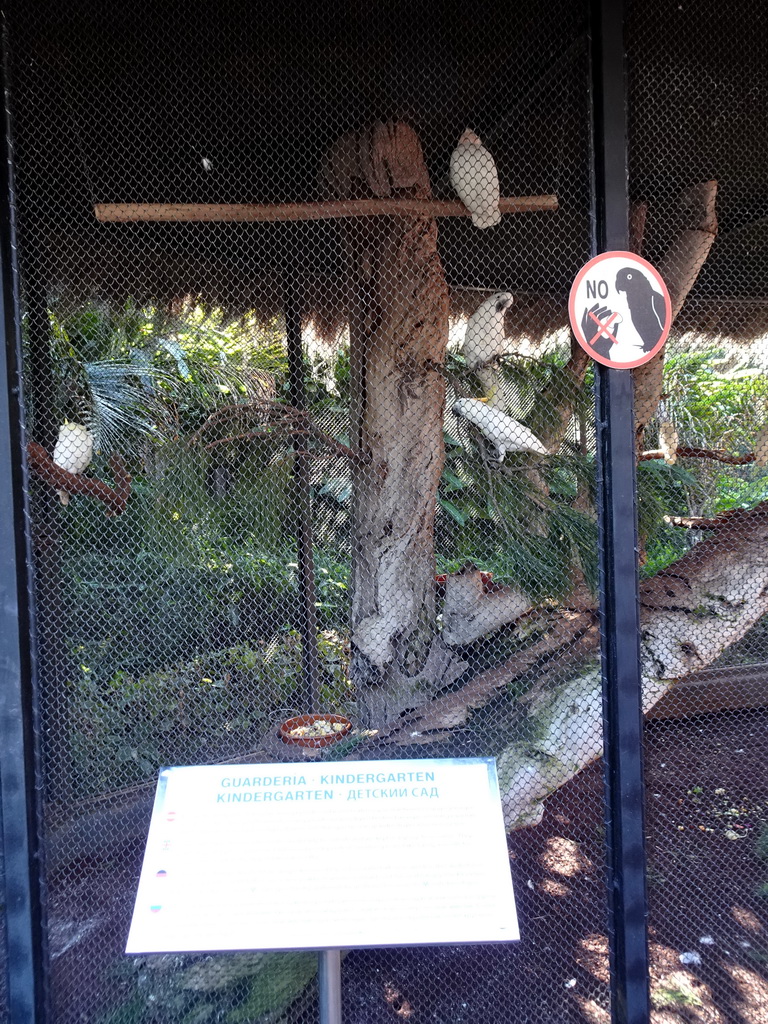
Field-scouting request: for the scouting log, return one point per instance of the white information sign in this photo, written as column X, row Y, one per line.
column 325, row 855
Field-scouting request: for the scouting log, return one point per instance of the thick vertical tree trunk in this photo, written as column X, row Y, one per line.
column 680, row 269
column 399, row 331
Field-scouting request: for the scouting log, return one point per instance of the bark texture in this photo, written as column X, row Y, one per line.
column 398, row 306
column 680, row 269
column 473, row 608
column 689, row 615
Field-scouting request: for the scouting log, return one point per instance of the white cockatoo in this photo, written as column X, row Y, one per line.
column 504, row 433
column 761, row 446
column 73, row 451
column 484, row 342
column 668, row 441
column 475, row 180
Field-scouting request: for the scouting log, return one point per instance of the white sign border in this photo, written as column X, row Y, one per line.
column 576, row 327
column 485, row 886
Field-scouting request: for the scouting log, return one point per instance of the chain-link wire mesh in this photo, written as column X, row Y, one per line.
column 315, row 461
column 698, row 161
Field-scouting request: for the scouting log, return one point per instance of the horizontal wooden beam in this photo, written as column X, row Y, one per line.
column 185, row 213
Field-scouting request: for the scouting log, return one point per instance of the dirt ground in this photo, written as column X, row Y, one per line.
column 707, row 785
column 707, row 806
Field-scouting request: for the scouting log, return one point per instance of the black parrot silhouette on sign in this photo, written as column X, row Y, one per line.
column 646, row 306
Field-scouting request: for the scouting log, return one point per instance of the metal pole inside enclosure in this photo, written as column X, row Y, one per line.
column 20, row 823
column 617, row 514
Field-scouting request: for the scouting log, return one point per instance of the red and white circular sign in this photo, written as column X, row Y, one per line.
column 620, row 310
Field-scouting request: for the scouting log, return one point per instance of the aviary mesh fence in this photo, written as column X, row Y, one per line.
column 344, row 463
column 698, row 161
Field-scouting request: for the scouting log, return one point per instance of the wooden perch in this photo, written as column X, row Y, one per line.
column 278, row 420
column 576, row 635
column 128, row 213
column 718, row 454
column 114, row 498
column 727, row 518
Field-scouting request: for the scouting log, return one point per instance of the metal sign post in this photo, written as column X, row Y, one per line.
column 329, row 985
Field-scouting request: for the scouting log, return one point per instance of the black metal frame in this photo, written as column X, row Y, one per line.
column 618, row 549
column 19, row 810
column 20, row 813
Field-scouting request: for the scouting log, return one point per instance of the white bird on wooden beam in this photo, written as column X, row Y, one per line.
column 504, row 433
column 475, row 180
column 73, row 451
column 485, row 341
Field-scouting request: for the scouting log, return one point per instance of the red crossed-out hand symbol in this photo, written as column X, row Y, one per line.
column 594, row 325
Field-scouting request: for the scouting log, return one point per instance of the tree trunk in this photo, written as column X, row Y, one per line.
column 680, row 270
column 690, row 614
column 399, row 332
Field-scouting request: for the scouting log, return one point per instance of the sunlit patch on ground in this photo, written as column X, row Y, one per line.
column 564, row 857
column 593, row 957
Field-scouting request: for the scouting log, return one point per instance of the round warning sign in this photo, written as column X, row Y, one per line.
column 620, row 310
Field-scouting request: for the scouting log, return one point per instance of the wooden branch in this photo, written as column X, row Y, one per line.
column 452, row 709
column 638, row 217
column 730, row 688
column 719, row 521
column 285, row 419
column 472, row 609
column 718, row 454
column 184, row 213
column 680, row 269
column 114, row 498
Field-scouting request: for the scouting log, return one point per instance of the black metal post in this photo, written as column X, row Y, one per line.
column 20, row 817
column 617, row 511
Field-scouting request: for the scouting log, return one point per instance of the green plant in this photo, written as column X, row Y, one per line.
column 666, row 997
column 215, row 705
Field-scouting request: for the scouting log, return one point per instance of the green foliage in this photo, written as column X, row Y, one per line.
column 715, row 404
column 137, row 375
column 236, row 988
column 517, row 520
column 193, row 712
column 746, row 490
column 663, row 490
column 182, row 613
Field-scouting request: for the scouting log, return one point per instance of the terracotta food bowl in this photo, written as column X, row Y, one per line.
column 314, row 730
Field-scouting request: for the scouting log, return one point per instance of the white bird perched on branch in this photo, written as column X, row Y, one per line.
column 669, row 441
column 73, row 451
column 484, row 342
column 504, row 433
column 475, row 180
